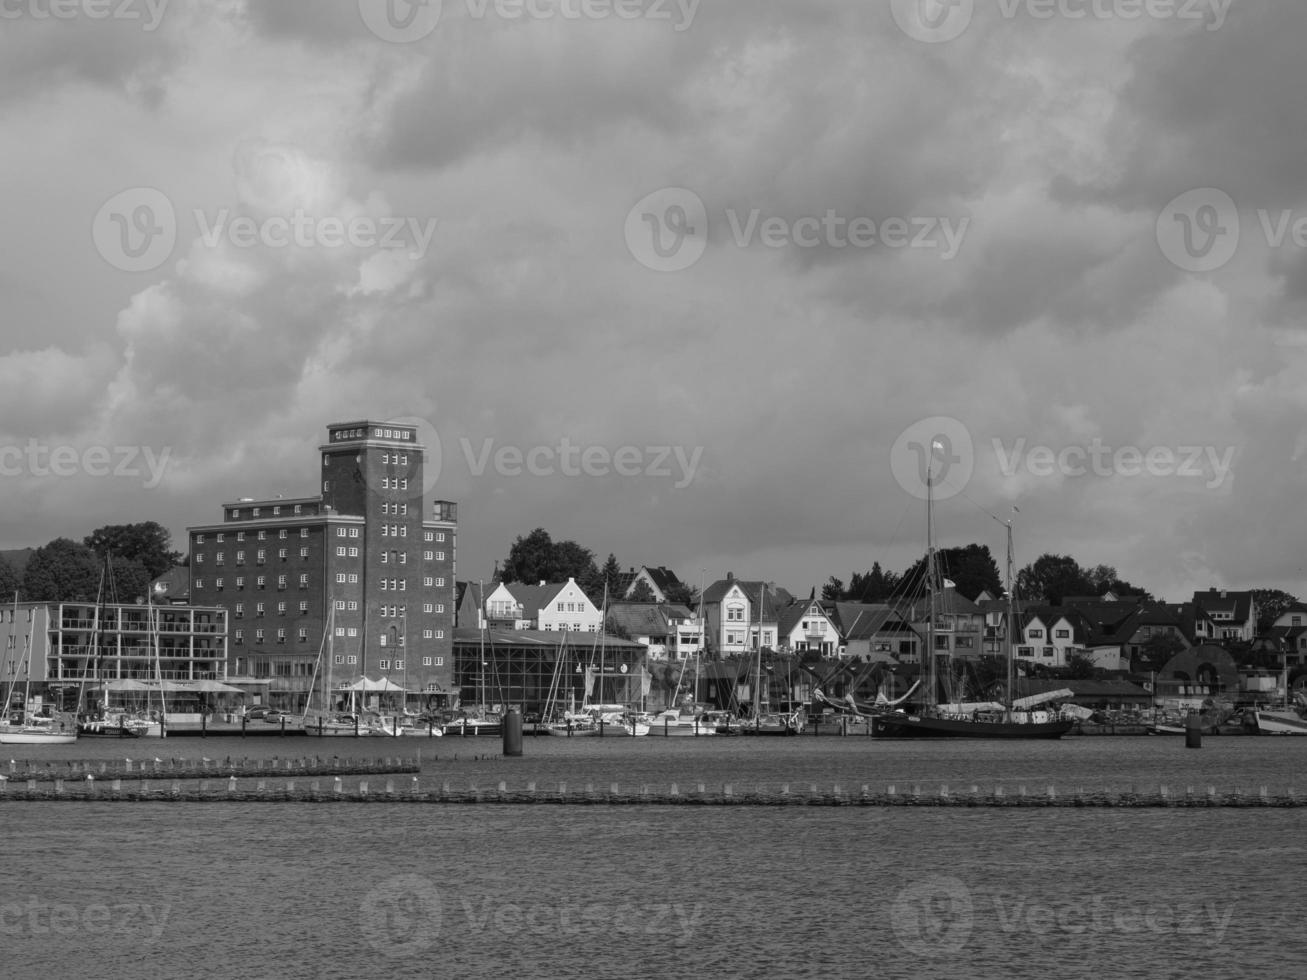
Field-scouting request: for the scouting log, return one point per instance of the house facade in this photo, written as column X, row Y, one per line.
column 805, row 627
column 740, row 616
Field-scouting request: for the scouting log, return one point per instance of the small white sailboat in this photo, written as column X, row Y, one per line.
column 33, row 729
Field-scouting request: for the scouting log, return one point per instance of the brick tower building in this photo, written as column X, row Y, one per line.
column 363, row 557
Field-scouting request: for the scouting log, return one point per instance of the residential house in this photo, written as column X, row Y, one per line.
column 805, row 626
column 740, row 615
column 670, row 631
column 1224, row 616
column 660, row 581
column 551, row 607
column 875, row 631
column 1289, row 634
column 959, row 623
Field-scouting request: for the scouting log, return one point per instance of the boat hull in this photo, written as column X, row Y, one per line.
column 919, row 726
column 38, row 738
column 1280, row 723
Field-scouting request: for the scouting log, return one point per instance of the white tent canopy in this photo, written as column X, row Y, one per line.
column 369, row 686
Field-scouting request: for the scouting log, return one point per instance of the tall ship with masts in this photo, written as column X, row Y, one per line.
column 933, row 719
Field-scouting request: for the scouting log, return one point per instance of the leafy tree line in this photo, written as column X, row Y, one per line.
column 115, row 563
column 972, row 568
column 537, row 557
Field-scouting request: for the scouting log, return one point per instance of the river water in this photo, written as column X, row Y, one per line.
column 244, row 890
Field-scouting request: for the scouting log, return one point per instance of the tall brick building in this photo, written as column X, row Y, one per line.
column 366, row 546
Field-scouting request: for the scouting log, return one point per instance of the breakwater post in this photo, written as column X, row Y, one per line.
column 1193, row 731
column 513, row 735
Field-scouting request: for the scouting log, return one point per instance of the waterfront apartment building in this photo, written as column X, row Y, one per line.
column 356, row 582
column 71, row 652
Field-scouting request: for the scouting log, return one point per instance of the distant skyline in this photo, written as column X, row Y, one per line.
column 700, row 284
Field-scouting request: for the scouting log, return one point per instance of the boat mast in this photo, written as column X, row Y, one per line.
column 757, row 687
column 930, row 586
column 1011, row 625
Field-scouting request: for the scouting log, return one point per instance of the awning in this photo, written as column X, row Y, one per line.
column 369, row 686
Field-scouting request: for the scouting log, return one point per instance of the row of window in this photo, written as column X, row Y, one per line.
column 302, row 635
column 235, row 513
column 341, row 532
column 260, row 582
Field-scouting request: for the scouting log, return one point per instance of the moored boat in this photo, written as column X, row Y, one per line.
column 681, row 723
column 38, row 731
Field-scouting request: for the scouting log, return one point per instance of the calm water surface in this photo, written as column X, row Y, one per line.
column 149, row 891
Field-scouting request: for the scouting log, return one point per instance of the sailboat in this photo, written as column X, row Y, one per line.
column 688, row 719
column 39, row 730
column 613, row 720
column 938, row 721
column 107, row 724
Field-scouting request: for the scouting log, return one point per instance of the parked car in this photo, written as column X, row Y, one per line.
column 257, row 714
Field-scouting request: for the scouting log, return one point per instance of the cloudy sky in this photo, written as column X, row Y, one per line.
column 699, row 284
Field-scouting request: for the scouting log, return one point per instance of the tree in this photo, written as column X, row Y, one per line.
column 610, row 575
column 1271, row 604
column 62, row 571
column 1158, row 651
column 8, row 580
column 833, row 590
column 1079, row 667
column 1052, row 577
column 148, row 543
column 873, row 586
column 682, row 595
column 972, row 569
column 642, row 592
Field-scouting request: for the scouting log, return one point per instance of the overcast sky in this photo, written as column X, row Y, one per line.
column 698, row 284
